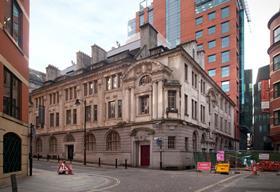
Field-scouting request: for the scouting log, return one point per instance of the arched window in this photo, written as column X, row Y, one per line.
column 39, row 145
column 145, row 80
column 195, row 141
column 53, row 145
column 90, row 142
column 113, row 141
column 11, row 153
column 69, row 138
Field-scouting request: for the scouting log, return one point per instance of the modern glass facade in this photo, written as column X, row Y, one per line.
column 173, row 19
column 131, row 27
column 203, row 5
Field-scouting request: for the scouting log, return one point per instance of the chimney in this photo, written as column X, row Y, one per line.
column 148, row 36
column 83, row 60
column 52, row 72
column 97, row 54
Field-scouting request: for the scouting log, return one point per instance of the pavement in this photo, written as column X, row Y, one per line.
column 110, row 179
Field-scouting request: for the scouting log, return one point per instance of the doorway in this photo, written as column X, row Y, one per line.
column 145, row 155
column 70, row 152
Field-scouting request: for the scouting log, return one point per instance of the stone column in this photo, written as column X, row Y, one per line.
column 126, row 106
column 155, row 101
column 132, row 105
column 160, row 99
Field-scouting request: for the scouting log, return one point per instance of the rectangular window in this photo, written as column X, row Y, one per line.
column 276, row 90
column 221, row 123
column 211, row 30
column 11, row 94
column 225, row 12
column 57, row 97
column 199, row 20
column 95, row 113
column 200, row 47
column 225, row 42
column 144, row 104
column 52, row 120
column 88, row 113
column 85, row 89
column 225, row 124
column 68, row 117
column 141, row 19
column 57, row 119
column 119, row 108
column 90, row 87
column 66, row 94
column 225, row 27
column 194, row 109
column 74, row 116
column 95, row 89
column 225, row 86
column 75, row 92
column 108, row 83
column 212, row 72
column 151, row 17
column 216, row 121
column 50, row 99
column 276, row 117
column 171, row 142
column 115, row 81
column 198, row 34
column 186, row 144
column 172, row 99
column 111, row 109
column 202, row 113
column 202, row 86
column 225, row 71
column 186, row 72
column 194, row 79
column 13, row 20
column 71, row 93
column 211, row 16
column 212, row 44
column 276, row 62
column 186, row 105
column 276, row 35
column 211, row 58
column 225, row 56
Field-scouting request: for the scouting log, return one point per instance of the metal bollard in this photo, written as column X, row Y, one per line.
column 38, row 157
column 14, row 183
column 125, row 163
column 116, row 163
column 99, row 162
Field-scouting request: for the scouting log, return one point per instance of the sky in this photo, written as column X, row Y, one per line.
column 60, row 28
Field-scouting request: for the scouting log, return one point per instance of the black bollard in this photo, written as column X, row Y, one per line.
column 99, row 162
column 38, row 157
column 58, row 158
column 116, row 163
column 48, row 157
column 125, row 163
column 14, row 183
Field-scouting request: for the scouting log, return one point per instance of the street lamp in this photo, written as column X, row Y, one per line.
column 77, row 103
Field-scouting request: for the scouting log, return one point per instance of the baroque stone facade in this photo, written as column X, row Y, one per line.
column 130, row 103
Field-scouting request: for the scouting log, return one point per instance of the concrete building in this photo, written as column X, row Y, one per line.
column 218, row 27
column 132, row 102
column 274, row 54
column 261, row 137
column 14, row 56
column 246, row 114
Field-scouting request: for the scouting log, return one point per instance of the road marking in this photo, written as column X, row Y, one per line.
column 214, row 184
column 117, row 182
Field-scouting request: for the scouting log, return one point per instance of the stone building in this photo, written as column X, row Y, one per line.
column 140, row 104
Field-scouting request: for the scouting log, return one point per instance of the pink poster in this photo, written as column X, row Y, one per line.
column 220, row 156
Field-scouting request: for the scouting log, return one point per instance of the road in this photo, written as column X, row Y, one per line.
column 110, row 179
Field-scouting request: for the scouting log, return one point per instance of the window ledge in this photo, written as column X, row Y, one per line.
column 171, row 110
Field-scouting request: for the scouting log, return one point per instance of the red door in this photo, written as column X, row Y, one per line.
column 145, row 155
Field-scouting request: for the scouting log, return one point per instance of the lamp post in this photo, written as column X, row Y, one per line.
column 78, row 102
column 30, row 149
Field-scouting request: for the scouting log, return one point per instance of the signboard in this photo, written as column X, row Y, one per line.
column 222, row 168
column 263, row 156
column 203, row 166
column 220, row 156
